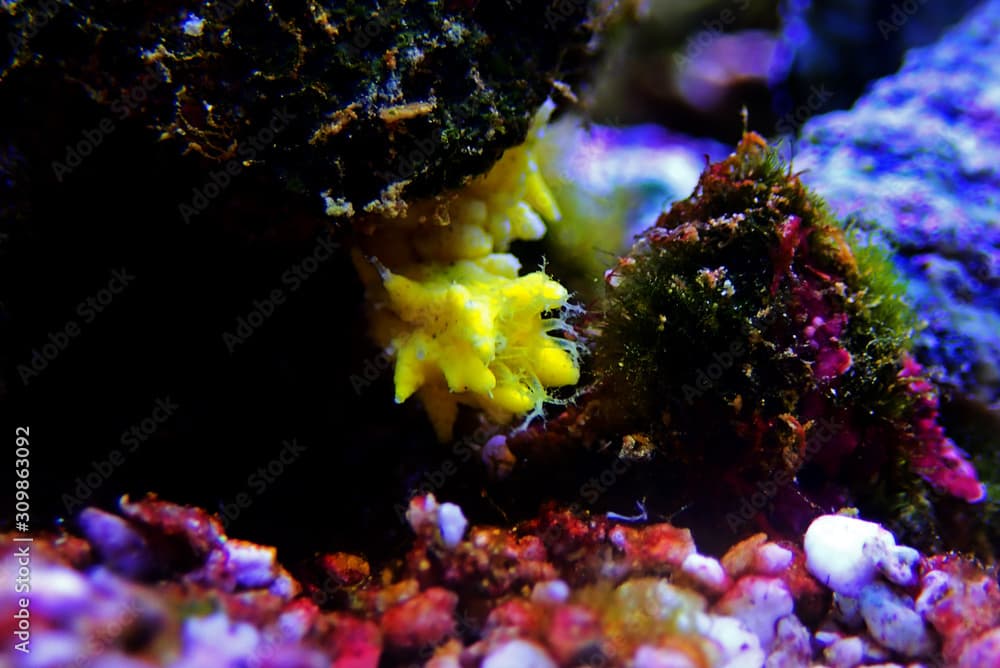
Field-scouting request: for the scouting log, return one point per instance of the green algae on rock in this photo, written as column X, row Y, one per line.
column 752, row 344
column 725, row 305
column 386, row 97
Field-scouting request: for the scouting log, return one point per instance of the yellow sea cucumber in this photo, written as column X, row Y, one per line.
column 449, row 305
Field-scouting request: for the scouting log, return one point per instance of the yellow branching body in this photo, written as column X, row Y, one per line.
column 446, row 300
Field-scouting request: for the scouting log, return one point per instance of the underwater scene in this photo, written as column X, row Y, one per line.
column 500, row 333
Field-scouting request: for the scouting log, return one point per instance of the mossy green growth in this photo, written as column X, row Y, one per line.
column 717, row 305
column 751, row 336
column 882, row 323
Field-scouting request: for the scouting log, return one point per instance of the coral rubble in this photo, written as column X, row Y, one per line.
column 557, row 590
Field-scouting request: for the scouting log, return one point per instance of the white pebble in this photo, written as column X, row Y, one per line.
column 617, row 537
column 740, row 647
column 253, row 565
column 452, row 523
column 706, row 571
column 60, row 648
column 845, row 653
column 519, row 654
column 791, row 645
column 284, row 585
column 893, row 622
column 59, row 591
column 896, row 563
column 840, row 550
column 826, row 638
column 552, row 591
column 759, row 602
column 216, row 633
column 771, row 559
column 661, row 657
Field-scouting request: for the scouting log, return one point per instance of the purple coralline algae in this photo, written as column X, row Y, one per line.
column 914, row 160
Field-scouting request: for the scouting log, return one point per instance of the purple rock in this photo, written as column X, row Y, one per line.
column 915, row 160
column 122, row 548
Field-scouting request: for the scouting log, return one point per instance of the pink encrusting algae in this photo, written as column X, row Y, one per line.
column 933, row 455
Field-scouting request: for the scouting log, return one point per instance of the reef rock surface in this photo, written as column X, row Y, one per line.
column 357, row 100
column 916, row 159
column 163, row 585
